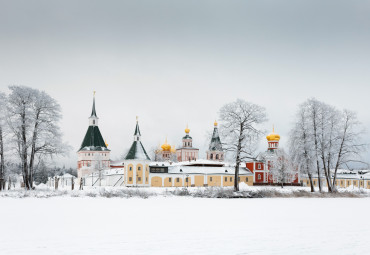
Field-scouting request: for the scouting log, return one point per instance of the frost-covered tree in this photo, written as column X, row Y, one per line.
column 33, row 117
column 325, row 138
column 2, row 137
column 240, row 131
column 282, row 169
column 301, row 146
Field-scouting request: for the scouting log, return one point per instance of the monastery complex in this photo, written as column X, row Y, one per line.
column 182, row 166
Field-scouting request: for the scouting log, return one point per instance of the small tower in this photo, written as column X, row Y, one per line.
column 187, row 152
column 137, row 162
column 215, row 151
column 273, row 141
column 93, row 154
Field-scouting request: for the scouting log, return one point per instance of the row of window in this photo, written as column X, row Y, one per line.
column 92, row 154
column 138, row 179
column 218, row 156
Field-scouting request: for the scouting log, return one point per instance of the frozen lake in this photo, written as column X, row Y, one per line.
column 184, row 225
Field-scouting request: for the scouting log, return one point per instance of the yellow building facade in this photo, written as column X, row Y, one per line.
column 196, row 174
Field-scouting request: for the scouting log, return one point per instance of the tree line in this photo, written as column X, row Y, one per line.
column 322, row 140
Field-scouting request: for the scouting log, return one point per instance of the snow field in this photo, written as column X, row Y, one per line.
column 184, row 225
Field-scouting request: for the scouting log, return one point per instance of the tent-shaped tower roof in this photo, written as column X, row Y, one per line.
column 137, row 150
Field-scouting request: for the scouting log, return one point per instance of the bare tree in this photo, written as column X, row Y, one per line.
column 281, row 167
column 349, row 144
column 2, row 131
column 240, row 129
column 301, row 146
column 327, row 137
column 33, row 117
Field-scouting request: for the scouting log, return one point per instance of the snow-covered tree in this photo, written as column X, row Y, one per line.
column 2, row 137
column 325, row 138
column 33, row 117
column 240, row 131
column 282, row 169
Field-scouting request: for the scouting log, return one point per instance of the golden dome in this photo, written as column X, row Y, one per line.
column 166, row 146
column 273, row 136
column 187, row 130
column 216, row 124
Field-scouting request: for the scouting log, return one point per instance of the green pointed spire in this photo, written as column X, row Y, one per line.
column 93, row 112
column 137, row 129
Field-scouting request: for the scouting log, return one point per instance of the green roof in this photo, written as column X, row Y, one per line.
column 215, row 144
column 93, row 140
column 137, row 130
column 137, row 151
column 93, row 112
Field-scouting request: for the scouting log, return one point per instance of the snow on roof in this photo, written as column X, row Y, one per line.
column 117, row 163
column 207, row 170
column 199, row 162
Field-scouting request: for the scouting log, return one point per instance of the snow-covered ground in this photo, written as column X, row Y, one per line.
column 184, row 225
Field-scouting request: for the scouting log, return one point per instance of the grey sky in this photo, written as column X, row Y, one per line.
column 177, row 62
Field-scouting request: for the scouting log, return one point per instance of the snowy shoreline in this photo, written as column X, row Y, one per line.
column 209, row 192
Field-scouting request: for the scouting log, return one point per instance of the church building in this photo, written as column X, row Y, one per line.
column 93, row 154
column 136, row 163
column 187, row 152
column 165, row 152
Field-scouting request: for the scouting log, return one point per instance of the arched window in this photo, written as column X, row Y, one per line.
column 211, row 156
column 216, row 156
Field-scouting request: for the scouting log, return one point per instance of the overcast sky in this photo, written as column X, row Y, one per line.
column 177, row 62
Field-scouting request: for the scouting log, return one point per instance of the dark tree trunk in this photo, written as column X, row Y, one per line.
column 238, row 160
column 311, row 184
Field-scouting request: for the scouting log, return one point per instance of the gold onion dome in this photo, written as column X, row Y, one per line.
column 187, row 130
column 216, row 124
column 166, row 146
column 273, row 136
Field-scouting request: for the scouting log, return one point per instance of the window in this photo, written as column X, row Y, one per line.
column 216, row 156
column 177, row 179
column 246, row 179
column 348, row 183
column 341, row 182
column 231, row 179
column 170, row 179
column 139, row 168
column 225, row 179
column 210, row 178
column 259, row 177
column 259, row 166
column 146, row 179
column 139, row 179
column 211, row 156
column 186, row 179
column 94, row 122
column 130, row 179
column 130, row 168
column 238, row 179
